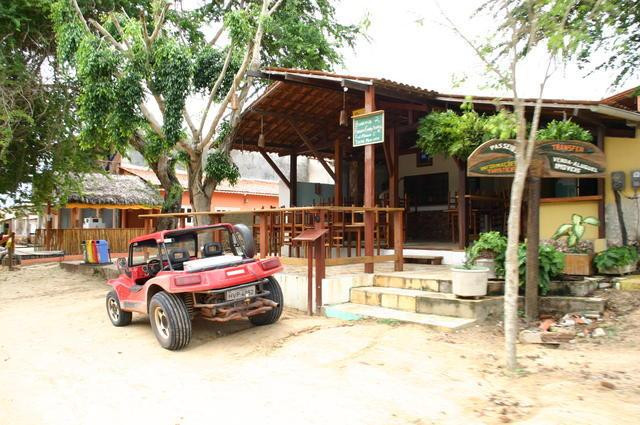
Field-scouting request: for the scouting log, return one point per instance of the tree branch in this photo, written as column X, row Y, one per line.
column 158, row 23
column 80, row 16
column 216, row 86
column 107, row 35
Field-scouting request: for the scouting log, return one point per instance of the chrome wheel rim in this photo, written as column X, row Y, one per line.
column 114, row 309
column 162, row 322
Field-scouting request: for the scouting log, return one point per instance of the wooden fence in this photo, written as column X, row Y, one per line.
column 70, row 240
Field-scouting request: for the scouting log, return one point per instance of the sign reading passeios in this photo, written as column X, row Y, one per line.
column 556, row 158
column 368, row 129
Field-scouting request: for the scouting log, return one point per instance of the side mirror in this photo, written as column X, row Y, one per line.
column 123, row 266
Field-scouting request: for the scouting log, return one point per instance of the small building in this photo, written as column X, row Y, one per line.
column 245, row 194
column 105, row 206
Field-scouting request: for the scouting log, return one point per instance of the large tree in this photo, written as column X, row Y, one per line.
column 172, row 83
column 38, row 144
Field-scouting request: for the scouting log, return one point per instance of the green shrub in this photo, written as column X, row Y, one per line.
column 489, row 245
column 617, row 256
column 551, row 264
column 574, row 231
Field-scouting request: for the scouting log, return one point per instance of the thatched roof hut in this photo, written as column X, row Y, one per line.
column 114, row 191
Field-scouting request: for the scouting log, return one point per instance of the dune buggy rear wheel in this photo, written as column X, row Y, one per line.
column 115, row 313
column 170, row 320
column 275, row 295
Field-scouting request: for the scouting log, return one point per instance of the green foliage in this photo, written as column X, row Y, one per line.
column 618, row 256
column 574, row 231
column 457, row 135
column 598, row 34
column 220, row 167
column 208, row 65
column 172, row 70
column 564, row 130
column 551, row 265
column 489, row 245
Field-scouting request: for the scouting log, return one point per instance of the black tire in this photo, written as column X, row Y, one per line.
column 275, row 295
column 170, row 321
column 115, row 313
column 245, row 239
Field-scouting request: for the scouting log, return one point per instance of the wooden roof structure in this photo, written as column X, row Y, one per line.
column 299, row 111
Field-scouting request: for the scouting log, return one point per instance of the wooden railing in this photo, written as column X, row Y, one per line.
column 70, row 240
column 348, row 227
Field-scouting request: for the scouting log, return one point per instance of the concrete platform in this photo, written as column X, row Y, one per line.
column 435, row 279
column 350, row 311
column 107, row 271
column 427, row 302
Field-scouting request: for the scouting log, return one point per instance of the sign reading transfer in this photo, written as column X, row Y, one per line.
column 557, row 158
column 368, row 129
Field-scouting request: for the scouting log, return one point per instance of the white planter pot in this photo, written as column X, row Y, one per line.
column 487, row 263
column 469, row 282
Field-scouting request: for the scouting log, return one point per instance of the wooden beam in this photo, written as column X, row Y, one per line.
column 274, row 167
column 337, row 164
column 462, row 203
column 393, row 175
column 369, row 185
column 402, row 106
column 313, row 149
column 293, row 180
column 602, row 229
column 533, row 243
column 387, row 156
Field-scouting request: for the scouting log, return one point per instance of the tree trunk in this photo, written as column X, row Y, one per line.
column 200, row 188
column 512, row 278
column 164, row 169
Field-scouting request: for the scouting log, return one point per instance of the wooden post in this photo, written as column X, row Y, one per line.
column 264, row 244
column 75, row 218
column 123, row 221
column 398, row 240
column 369, row 186
column 310, row 278
column 293, row 180
column 320, row 271
column 393, row 176
column 48, row 228
column 462, row 203
column 600, row 188
column 533, row 243
column 337, row 165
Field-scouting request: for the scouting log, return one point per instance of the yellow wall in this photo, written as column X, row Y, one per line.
column 553, row 214
column 623, row 154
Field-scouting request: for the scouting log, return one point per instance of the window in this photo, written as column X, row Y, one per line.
column 141, row 252
column 567, row 188
column 427, row 189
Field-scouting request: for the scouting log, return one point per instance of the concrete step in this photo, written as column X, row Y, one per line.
column 427, row 302
column 438, row 280
column 350, row 311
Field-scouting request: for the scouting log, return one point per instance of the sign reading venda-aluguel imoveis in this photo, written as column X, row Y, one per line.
column 554, row 158
column 368, row 129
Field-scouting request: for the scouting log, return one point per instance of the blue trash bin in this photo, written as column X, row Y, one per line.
column 102, row 249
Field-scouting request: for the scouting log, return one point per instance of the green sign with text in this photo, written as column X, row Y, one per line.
column 368, row 129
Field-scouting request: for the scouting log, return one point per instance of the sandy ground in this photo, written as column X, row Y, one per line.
column 62, row 362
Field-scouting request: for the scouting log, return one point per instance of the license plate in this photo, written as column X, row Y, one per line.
column 240, row 293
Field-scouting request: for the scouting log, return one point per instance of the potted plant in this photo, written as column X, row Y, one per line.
column 487, row 250
column 617, row 260
column 469, row 280
column 578, row 260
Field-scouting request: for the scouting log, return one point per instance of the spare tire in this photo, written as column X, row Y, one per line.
column 244, row 237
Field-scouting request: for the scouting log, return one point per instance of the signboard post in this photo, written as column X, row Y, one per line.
column 368, row 129
column 551, row 158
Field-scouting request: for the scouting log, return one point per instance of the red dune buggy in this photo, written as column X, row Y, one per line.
column 208, row 272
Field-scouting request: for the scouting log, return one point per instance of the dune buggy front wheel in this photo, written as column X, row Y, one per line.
column 170, row 320
column 116, row 315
